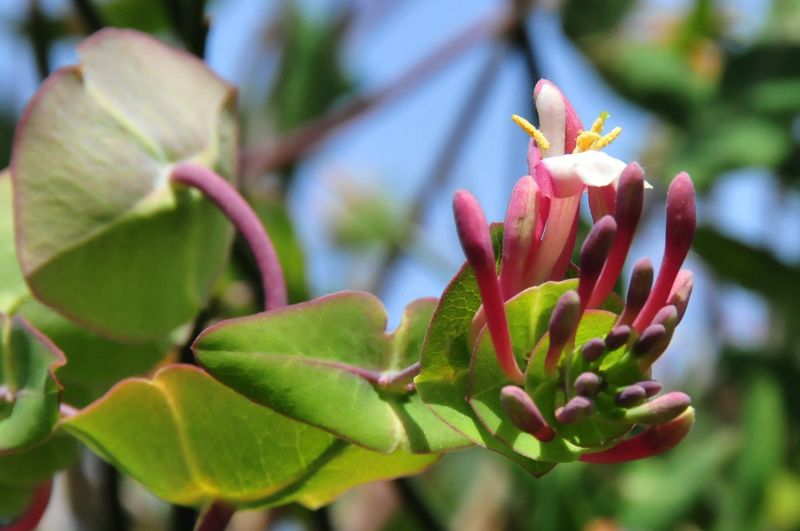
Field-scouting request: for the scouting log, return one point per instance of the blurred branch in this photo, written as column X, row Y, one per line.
column 89, row 15
column 273, row 154
column 189, row 23
column 40, row 41
column 455, row 141
column 520, row 38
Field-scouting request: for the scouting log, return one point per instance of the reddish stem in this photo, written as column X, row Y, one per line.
column 239, row 212
column 33, row 514
column 216, row 517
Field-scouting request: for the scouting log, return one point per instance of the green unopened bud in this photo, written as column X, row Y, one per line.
column 659, row 410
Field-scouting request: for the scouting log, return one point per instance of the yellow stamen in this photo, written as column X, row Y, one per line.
column 600, row 123
column 585, row 141
column 529, row 128
column 607, row 139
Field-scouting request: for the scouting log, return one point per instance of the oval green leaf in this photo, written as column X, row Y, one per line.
column 101, row 235
column 191, row 441
column 307, row 361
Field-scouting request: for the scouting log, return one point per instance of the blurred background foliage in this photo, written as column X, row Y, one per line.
column 355, row 137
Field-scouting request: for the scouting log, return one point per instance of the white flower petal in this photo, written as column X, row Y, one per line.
column 552, row 113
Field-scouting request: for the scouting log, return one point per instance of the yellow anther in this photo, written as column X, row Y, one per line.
column 600, row 123
column 607, row 139
column 585, row 141
column 529, row 128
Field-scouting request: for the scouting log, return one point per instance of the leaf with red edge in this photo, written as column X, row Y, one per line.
column 320, row 362
column 29, row 391
column 193, row 441
column 101, row 235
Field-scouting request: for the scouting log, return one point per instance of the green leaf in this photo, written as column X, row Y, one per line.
column 352, row 466
column 12, row 285
column 29, row 392
column 95, row 363
column 443, row 383
column 22, row 472
column 91, row 165
column 528, row 318
column 305, row 361
column 191, row 440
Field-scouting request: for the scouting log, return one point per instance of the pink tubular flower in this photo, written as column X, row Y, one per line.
column 539, row 238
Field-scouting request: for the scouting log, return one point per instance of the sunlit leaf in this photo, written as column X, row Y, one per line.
column 304, row 361
column 101, row 235
column 191, row 441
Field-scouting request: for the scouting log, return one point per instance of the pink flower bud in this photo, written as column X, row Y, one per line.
column 593, row 349
column 563, row 322
column 681, row 223
column 630, row 396
column 476, row 241
column 650, row 339
column 638, row 290
column 594, row 252
column 524, row 414
column 681, row 291
column 651, row 387
column 587, row 384
column 653, row 441
column 617, row 337
column 628, row 210
column 518, row 234
column 577, row 409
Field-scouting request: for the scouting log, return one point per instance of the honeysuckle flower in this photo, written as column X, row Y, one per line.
column 540, row 232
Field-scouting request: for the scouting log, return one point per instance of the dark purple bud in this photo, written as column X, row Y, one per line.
column 638, row 290
column 617, row 337
column 587, row 384
column 659, row 410
column 563, row 322
column 524, row 414
column 593, row 255
column 577, row 409
column 593, row 349
column 681, row 291
column 650, row 339
column 630, row 396
column 651, row 387
column 681, row 223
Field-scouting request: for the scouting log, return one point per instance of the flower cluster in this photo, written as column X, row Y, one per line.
column 607, row 378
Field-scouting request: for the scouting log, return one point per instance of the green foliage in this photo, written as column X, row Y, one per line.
column 310, row 76
column 22, row 472
column 193, row 441
column 12, row 285
column 29, row 401
column 306, row 361
column 105, row 135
